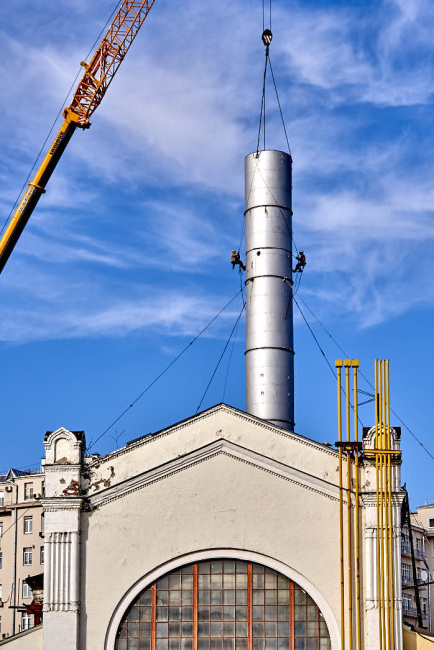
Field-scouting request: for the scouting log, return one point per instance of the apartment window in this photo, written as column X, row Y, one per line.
column 28, row 525
column 406, row 573
column 431, row 523
column 1, row 560
column 2, row 498
column 1, row 529
column 27, row 555
column 27, row 592
column 42, row 555
column 406, row 603
column 1, row 591
column 26, row 621
column 28, row 491
column 42, row 523
column 424, row 603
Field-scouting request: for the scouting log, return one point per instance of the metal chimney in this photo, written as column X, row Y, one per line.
column 269, row 325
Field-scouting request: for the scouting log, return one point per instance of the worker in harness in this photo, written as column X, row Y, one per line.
column 236, row 261
column 301, row 263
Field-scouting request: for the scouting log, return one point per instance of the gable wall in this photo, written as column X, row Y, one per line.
column 261, row 437
column 219, row 503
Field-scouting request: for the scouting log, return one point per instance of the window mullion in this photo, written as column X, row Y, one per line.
column 291, row 616
column 195, row 600
column 249, row 606
column 154, row 616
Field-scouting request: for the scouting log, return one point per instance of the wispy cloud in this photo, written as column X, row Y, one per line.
column 156, row 185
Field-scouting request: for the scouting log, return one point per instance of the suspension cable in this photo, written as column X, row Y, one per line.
column 163, row 372
column 420, row 443
column 324, row 355
column 280, row 107
column 221, row 356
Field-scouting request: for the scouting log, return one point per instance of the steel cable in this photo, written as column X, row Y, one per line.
column 367, row 381
column 149, row 386
column 221, row 357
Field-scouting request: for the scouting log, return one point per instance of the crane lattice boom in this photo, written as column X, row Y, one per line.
column 90, row 91
column 108, row 57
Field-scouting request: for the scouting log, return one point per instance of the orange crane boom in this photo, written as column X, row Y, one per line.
column 87, row 97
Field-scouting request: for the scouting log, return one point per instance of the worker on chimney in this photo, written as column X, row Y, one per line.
column 301, row 263
column 235, row 260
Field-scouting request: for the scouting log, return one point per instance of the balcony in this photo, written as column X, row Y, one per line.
column 407, row 580
column 406, row 550
column 408, row 610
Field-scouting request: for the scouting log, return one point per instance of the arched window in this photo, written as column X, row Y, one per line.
column 223, row 605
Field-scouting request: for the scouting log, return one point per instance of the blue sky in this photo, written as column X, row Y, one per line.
column 127, row 256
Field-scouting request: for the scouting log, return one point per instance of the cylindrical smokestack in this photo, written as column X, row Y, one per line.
column 269, row 326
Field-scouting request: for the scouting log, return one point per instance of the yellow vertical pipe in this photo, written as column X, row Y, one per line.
column 377, row 475
column 382, row 507
column 341, row 505
column 357, row 510
column 391, row 541
column 381, row 462
column 347, row 364
column 386, row 510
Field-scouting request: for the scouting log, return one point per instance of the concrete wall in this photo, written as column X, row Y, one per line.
column 258, row 497
column 414, row 641
column 30, row 640
column 222, row 484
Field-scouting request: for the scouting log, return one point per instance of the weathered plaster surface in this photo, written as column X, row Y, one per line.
column 221, row 503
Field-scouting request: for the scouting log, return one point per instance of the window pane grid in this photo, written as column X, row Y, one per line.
column 223, row 605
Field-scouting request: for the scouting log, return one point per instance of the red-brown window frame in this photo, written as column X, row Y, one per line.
column 249, row 610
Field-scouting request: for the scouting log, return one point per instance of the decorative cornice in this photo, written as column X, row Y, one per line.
column 369, row 499
column 53, row 504
column 241, row 415
column 219, row 447
column 63, row 467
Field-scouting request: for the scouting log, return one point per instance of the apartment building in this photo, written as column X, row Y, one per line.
column 422, row 526
column 21, row 548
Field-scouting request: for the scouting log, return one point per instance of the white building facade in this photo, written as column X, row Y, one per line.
column 218, row 533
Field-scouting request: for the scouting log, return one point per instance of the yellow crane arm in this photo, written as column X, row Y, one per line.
column 87, row 97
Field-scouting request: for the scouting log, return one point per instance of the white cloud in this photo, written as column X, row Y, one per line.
column 170, row 138
column 61, row 307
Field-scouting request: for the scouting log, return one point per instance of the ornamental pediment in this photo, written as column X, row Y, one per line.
column 221, row 447
column 144, row 455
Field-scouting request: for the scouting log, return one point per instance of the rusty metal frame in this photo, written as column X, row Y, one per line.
column 291, row 615
column 249, row 606
column 291, row 607
column 195, row 604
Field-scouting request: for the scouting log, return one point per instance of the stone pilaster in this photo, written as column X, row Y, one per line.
column 62, row 509
column 369, row 498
